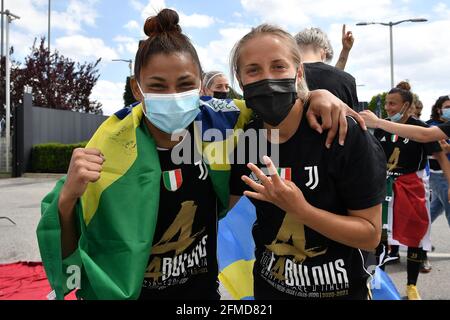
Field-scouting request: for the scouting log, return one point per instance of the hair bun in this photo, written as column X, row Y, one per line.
column 165, row 21
column 404, row 85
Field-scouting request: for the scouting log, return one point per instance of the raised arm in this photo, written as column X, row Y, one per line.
column 347, row 44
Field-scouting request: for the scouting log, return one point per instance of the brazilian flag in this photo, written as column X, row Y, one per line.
column 117, row 215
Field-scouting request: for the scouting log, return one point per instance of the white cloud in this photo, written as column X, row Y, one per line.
column 132, row 25
column 34, row 16
column 196, row 20
column 442, row 10
column 152, row 8
column 77, row 14
column 136, row 5
column 21, row 43
column 81, row 48
column 301, row 13
column 186, row 21
column 110, row 94
column 215, row 56
column 127, row 45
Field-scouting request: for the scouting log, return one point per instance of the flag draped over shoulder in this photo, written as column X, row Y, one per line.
column 117, row 215
column 236, row 250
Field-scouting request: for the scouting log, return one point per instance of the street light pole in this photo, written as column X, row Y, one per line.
column 3, row 24
column 130, row 64
column 392, row 53
column 49, row 21
column 391, row 38
column 9, row 18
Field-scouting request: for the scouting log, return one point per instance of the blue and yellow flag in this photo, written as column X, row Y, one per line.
column 236, row 250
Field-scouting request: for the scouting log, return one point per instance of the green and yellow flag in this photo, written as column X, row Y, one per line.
column 117, row 215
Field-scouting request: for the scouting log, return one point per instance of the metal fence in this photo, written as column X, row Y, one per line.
column 3, row 155
column 35, row 125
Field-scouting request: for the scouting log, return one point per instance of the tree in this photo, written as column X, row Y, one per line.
column 128, row 96
column 376, row 105
column 57, row 82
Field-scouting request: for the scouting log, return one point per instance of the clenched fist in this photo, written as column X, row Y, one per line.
column 85, row 167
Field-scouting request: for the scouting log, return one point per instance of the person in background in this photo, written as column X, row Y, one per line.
column 215, row 84
column 417, row 110
column 440, row 113
column 316, row 50
column 406, row 210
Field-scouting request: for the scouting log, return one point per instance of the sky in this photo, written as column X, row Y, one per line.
column 86, row 30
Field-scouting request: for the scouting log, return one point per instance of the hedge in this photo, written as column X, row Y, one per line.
column 53, row 157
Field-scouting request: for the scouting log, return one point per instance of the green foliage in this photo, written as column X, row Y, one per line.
column 376, row 105
column 128, row 96
column 53, row 157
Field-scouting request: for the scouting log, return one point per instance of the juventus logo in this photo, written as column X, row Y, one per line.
column 203, row 170
column 313, row 177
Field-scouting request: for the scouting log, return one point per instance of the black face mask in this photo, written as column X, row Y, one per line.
column 271, row 99
column 220, row 95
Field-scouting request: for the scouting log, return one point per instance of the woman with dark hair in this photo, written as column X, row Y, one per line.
column 440, row 114
column 406, row 210
column 131, row 220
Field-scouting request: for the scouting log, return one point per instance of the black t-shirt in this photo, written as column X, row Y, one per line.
column 292, row 260
column 183, row 263
column 320, row 75
column 445, row 127
column 434, row 164
column 405, row 156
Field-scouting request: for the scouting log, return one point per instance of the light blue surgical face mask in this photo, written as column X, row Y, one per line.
column 171, row 112
column 446, row 114
column 398, row 116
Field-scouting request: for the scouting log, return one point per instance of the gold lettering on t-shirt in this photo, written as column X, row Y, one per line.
column 291, row 241
column 393, row 160
column 181, row 227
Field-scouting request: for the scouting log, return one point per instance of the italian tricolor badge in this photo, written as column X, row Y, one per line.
column 285, row 173
column 173, row 179
column 394, row 138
